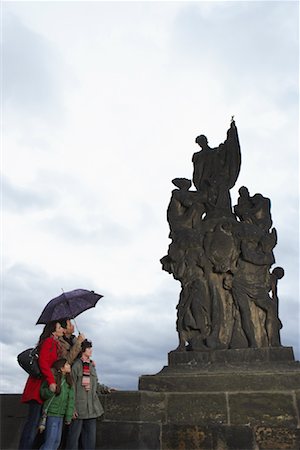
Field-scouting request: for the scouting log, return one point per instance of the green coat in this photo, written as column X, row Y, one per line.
column 61, row 405
column 87, row 403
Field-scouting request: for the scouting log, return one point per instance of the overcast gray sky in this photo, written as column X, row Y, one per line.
column 102, row 102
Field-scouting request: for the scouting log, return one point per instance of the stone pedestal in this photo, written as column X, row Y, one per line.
column 226, row 399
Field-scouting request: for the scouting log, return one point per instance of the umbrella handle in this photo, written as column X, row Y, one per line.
column 72, row 317
column 76, row 326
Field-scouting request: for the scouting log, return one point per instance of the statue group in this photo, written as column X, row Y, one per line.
column 222, row 256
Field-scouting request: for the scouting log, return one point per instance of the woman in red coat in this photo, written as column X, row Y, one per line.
column 49, row 351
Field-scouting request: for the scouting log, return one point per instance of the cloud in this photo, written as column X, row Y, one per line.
column 251, row 38
column 30, row 68
column 22, row 198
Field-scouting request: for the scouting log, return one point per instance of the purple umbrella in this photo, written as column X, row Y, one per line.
column 68, row 305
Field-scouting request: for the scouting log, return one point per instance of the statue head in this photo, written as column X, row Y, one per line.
column 243, row 191
column 278, row 272
column 201, row 140
column 182, row 183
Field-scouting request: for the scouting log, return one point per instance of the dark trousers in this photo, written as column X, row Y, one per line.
column 86, row 430
column 30, row 427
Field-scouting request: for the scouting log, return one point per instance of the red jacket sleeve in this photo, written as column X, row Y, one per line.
column 47, row 356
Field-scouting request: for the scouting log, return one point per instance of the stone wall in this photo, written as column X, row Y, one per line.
column 229, row 399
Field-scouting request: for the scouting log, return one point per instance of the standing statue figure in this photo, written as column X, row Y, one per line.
column 251, row 284
column 184, row 261
column 216, row 171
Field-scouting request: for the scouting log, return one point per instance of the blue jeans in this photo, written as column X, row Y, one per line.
column 84, row 428
column 52, row 433
column 30, row 426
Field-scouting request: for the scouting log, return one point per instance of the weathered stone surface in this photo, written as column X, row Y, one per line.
column 271, row 438
column 197, row 437
column 249, row 355
column 296, row 395
column 233, row 438
column 186, row 437
column 220, row 382
column 12, row 415
column 11, row 405
column 135, row 406
column 128, row 436
column 196, row 408
column 263, row 408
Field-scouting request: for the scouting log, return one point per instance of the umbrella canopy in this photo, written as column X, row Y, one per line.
column 68, row 305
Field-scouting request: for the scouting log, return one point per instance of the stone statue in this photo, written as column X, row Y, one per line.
column 216, row 171
column 221, row 256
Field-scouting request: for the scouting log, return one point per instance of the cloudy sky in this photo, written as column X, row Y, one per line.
column 101, row 105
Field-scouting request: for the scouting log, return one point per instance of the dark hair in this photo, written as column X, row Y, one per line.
column 63, row 322
column 86, row 344
column 49, row 328
column 57, row 366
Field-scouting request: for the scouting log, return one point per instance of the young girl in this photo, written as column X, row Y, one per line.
column 87, row 403
column 59, row 405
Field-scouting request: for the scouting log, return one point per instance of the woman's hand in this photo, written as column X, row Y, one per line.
column 52, row 387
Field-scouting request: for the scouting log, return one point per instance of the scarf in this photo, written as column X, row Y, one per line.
column 86, row 381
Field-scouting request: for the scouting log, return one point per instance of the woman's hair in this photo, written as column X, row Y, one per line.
column 49, row 328
column 56, row 367
column 86, row 344
column 63, row 322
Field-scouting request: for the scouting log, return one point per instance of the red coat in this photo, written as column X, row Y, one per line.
column 48, row 354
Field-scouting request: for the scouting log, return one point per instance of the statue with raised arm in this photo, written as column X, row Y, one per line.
column 216, row 171
column 222, row 256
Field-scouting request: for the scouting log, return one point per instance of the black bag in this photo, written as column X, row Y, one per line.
column 28, row 360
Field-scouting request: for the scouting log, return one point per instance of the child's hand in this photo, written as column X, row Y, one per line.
column 68, row 423
column 75, row 415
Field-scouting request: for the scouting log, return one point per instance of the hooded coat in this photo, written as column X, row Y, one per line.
column 87, row 403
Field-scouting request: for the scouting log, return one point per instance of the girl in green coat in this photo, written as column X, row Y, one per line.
column 59, row 405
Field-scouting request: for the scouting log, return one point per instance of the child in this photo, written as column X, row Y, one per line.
column 59, row 405
column 87, row 403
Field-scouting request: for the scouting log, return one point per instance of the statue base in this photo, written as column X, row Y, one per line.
column 223, row 399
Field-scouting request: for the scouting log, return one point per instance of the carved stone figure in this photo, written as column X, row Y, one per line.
column 251, row 285
column 222, row 257
column 193, row 310
column 216, row 171
column 255, row 210
column 185, row 208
